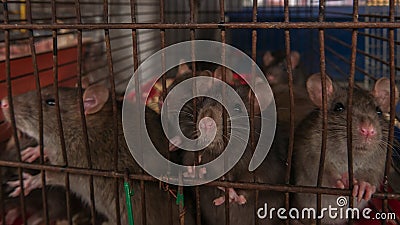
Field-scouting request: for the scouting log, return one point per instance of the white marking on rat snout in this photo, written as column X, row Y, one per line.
column 208, row 129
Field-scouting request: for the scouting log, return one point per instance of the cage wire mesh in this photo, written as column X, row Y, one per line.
column 253, row 27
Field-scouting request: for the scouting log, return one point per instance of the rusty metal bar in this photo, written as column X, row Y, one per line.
column 321, row 18
column 392, row 104
column 342, row 58
column 349, row 124
column 12, row 113
column 377, row 37
column 376, row 58
column 252, row 99
column 40, row 111
column 82, row 110
column 240, row 185
column 114, row 109
column 291, row 108
column 59, row 120
column 241, row 25
column 164, row 92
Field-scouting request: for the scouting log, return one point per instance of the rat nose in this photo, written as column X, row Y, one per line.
column 4, row 103
column 367, row 130
column 207, row 124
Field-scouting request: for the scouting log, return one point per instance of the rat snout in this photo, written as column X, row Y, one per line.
column 207, row 125
column 367, row 130
column 4, row 103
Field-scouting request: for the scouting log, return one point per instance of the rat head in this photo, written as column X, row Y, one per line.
column 369, row 127
column 26, row 109
column 209, row 123
column 275, row 66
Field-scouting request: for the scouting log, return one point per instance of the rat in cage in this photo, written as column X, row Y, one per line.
column 241, row 202
column 370, row 132
column 99, row 114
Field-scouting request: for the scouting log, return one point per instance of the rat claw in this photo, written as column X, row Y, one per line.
column 340, row 184
column 366, row 191
column 190, row 172
column 30, row 154
column 241, row 200
column 369, row 191
column 355, row 190
column 363, row 190
column 219, row 201
column 30, row 182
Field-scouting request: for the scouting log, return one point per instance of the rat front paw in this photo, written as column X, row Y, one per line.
column 363, row 190
column 191, row 172
column 30, row 183
column 233, row 197
column 30, row 154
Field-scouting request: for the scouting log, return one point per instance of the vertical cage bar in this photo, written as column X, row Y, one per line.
column 12, row 114
column 392, row 67
column 349, row 124
column 59, row 121
column 224, row 115
column 39, row 95
column 114, row 109
column 321, row 18
column 291, row 108
column 252, row 98
column 82, row 110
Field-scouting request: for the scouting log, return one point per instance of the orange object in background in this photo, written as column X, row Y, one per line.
column 21, row 71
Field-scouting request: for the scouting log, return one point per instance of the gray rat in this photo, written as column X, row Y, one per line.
column 275, row 68
column 56, row 196
column 99, row 117
column 242, row 202
column 370, row 132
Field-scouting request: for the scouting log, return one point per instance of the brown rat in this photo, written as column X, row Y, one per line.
column 242, row 206
column 99, row 117
column 370, row 131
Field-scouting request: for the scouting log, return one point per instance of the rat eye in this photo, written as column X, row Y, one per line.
column 51, row 101
column 339, row 107
column 237, row 108
column 378, row 111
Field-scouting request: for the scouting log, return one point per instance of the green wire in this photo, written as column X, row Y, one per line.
column 180, row 199
column 128, row 194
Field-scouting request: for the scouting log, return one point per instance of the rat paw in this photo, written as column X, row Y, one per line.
column 30, row 154
column 191, row 172
column 363, row 190
column 219, row 201
column 233, row 197
column 343, row 182
column 30, row 183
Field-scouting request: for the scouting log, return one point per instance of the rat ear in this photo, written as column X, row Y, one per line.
column 94, row 98
column 263, row 98
column 85, row 82
column 314, row 88
column 228, row 74
column 381, row 92
column 268, row 59
column 295, row 59
column 183, row 68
